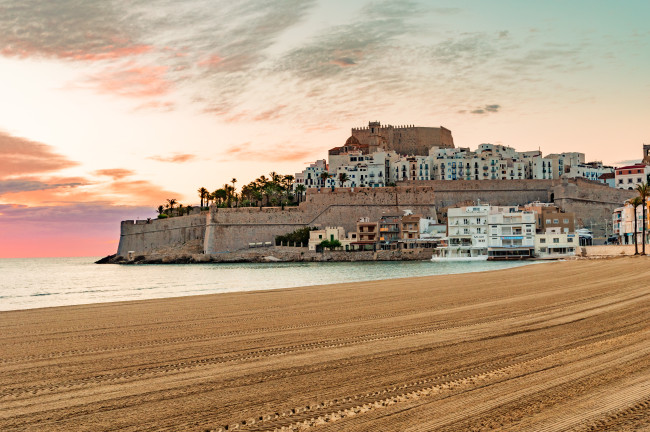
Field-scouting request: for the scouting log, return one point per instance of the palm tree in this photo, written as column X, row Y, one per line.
column 644, row 191
column 233, row 181
column 161, row 209
column 300, row 189
column 287, row 181
column 343, row 177
column 635, row 202
column 203, row 193
column 324, row 176
column 220, row 195
column 276, row 178
column 171, row 202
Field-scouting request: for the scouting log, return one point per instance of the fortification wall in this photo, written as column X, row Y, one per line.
column 226, row 230
column 144, row 237
column 592, row 204
column 234, row 229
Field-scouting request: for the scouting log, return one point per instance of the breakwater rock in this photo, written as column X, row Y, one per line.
column 279, row 254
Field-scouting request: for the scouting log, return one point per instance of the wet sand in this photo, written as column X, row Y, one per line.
column 550, row 347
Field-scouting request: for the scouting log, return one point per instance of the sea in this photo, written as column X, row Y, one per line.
column 27, row 283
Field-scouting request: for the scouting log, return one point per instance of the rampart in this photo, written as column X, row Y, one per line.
column 226, row 230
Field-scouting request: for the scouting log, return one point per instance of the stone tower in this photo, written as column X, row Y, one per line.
column 375, row 140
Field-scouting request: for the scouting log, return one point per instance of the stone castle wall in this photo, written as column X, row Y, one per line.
column 408, row 140
column 593, row 206
column 144, row 237
column 227, row 230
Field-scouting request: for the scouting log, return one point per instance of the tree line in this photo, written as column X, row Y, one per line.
column 274, row 190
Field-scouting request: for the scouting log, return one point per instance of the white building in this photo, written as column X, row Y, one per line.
column 623, row 223
column 629, row 177
column 466, row 232
column 542, row 168
column 511, row 233
column 555, row 243
column 316, row 237
column 591, row 171
column 310, row 177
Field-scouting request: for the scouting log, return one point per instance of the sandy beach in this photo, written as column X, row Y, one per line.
column 553, row 347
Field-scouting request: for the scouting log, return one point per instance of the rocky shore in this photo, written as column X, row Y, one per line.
column 272, row 255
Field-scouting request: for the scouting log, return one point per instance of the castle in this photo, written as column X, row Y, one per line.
column 404, row 140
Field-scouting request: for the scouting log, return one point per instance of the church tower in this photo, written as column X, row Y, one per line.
column 376, row 142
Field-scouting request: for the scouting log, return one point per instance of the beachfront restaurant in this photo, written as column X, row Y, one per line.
column 510, row 253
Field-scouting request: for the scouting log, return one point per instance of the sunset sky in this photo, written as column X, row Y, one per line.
column 108, row 107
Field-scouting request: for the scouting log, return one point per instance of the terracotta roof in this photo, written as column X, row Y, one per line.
column 639, row 165
column 606, row 176
column 352, row 141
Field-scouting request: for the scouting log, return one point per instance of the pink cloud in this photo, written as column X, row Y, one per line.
column 115, row 173
column 107, row 52
column 111, row 53
column 20, row 156
column 210, row 61
column 270, row 114
column 163, row 106
column 133, row 80
column 175, row 158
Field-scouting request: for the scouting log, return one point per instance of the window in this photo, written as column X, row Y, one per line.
column 548, row 221
column 570, row 240
column 542, row 240
column 556, row 221
column 566, row 221
column 556, row 240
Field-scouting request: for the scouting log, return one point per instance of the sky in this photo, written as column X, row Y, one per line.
column 110, row 107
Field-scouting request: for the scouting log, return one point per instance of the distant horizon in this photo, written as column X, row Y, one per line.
column 110, row 110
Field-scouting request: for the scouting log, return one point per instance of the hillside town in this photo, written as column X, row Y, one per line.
column 410, row 189
column 378, row 157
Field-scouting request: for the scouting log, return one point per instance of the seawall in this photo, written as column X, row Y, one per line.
column 228, row 230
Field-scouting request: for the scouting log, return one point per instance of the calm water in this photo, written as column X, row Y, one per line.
column 44, row 282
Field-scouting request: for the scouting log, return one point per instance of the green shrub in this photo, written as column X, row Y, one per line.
column 331, row 245
column 300, row 235
column 162, row 216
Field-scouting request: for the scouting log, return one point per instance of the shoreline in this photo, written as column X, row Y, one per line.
column 392, row 354
column 472, row 268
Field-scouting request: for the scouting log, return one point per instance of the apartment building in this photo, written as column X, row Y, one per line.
column 467, row 232
column 555, row 243
column 629, row 177
column 389, row 231
column 550, row 216
column 511, row 234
